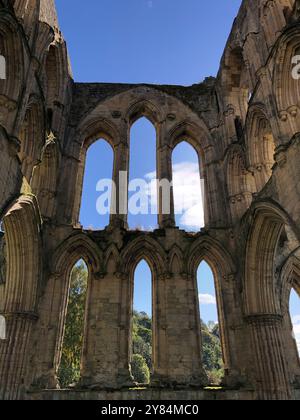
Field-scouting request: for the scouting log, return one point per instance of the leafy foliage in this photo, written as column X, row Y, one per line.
column 140, row 370
column 142, row 346
column 69, row 370
column 212, row 352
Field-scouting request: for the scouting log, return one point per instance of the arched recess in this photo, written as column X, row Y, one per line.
column 240, row 182
column 53, row 76
column 223, row 269
column 188, row 187
column 289, row 281
column 32, row 136
column 22, row 225
column 260, row 146
column 262, row 307
column 143, row 194
column 286, row 79
column 260, row 295
column 55, row 80
column 47, row 354
column 45, row 178
column 11, row 48
column 89, row 133
column 19, row 294
column 236, row 84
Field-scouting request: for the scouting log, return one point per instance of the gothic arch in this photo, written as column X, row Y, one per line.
column 89, row 132
column 145, row 248
column 32, row 136
column 266, row 224
column 197, row 136
column 112, row 254
column 93, row 129
column 176, row 260
column 262, row 306
column 144, row 108
column 19, row 295
column 74, row 248
column 55, row 82
column 55, row 293
column 11, row 46
column 45, row 177
column 260, row 145
column 223, row 267
column 241, row 184
column 286, row 87
column 22, row 224
column 235, row 80
column 289, row 279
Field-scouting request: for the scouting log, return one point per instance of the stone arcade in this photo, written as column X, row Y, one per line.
column 245, row 126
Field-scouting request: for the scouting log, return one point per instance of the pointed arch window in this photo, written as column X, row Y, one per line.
column 141, row 358
column 142, row 174
column 188, row 188
column 96, row 201
column 73, row 337
column 210, row 325
column 294, row 306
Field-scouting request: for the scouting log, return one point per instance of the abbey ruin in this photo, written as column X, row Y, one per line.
column 244, row 125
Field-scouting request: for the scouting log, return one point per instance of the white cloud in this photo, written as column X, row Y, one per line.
column 150, row 4
column 296, row 325
column 188, row 194
column 207, row 300
column 296, row 319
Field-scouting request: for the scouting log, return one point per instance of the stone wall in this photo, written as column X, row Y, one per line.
column 244, row 126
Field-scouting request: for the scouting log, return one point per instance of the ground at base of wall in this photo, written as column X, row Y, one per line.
column 143, row 395
column 150, row 394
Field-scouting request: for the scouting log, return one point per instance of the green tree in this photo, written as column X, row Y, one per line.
column 69, row 370
column 212, row 352
column 139, row 369
column 141, row 346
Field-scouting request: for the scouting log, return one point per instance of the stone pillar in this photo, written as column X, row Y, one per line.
column 14, row 354
column 19, row 294
column 166, row 217
column 118, row 217
column 105, row 362
column 178, row 344
column 270, row 369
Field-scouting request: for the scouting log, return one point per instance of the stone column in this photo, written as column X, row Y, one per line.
column 166, row 212
column 270, row 369
column 178, row 344
column 105, row 361
column 14, row 354
column 119, row 212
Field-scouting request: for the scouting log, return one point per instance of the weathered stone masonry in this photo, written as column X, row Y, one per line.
column 245, row 126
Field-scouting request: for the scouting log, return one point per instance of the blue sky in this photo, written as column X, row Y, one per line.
column 147, row 41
